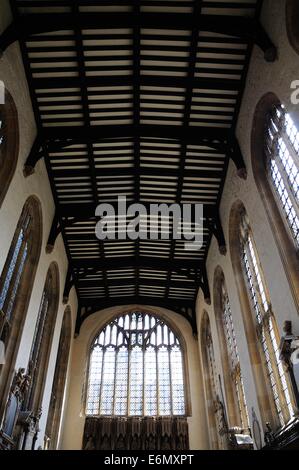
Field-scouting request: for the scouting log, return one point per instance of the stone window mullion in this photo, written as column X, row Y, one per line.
column 276, row 374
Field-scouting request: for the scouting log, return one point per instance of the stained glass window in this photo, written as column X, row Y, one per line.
column 233, row 353
column 38, row 339
column 266, row 324
column 16, row 263
column 136, row 369
column 282, row 152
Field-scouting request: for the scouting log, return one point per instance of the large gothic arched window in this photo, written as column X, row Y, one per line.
column 234, row 359
column 282, row 155
column 232, row 373
column 42, row 340
column 55, row 413
column 136, row 369
column 16, row 284
column 265, row 323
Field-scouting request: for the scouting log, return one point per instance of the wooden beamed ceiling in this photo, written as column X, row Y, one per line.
column 137, row 99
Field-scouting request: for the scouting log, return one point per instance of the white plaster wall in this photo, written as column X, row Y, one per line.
column 13, row 76
column 74, row 422
column 263, row 77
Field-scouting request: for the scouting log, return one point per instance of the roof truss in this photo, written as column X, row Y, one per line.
column 138, row 99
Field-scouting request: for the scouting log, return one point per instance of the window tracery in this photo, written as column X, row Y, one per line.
column 136, row 369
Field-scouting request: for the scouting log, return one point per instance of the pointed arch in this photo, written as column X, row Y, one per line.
column 16, row 285
column 42, row 340
column 281, row 232
column 209, row 376
column 232, row 374
column 145, row 338
column 59, row 382
column 9, row 142
column 259, row 321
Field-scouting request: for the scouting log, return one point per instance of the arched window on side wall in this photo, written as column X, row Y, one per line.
column 265, row 324
column 233, row 379
column 42, row 341
column 16, row 284
column 215, row 406
column 59, row 381
column 275, row 165
column 9, row 143
column 282, row 162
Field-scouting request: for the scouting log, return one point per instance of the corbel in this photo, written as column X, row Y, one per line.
column 217, row 230
column 78, row 321
column 69, row 283
column 205, row 286
column 262, row 40
column 34, row 156
column 54, row 232
column 234, row 152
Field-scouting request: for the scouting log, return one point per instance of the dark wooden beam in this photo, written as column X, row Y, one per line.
column 133, row 171
column 59, row 138
column 217, row 230
column 34, row 156
column 205, row 286
column 87, row 210
column 223, row 84
column 245, row 28
column 69, row 283
column 205, row 135
column 155, row 263
column 87, row 283
column 54, row 232
column 182, row 307
column 234, row 152
column 136, row 120
column 186, row 123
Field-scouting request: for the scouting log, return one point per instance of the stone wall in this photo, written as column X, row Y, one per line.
column 263, row 77
column 13, row 75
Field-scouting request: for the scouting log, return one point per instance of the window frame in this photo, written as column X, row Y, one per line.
column 234, row 406
column 32, row 205
column 276, row 130
column 265, row 323
column 286, row 249
column 172, row 328
column 41, row 344
column 235, row 369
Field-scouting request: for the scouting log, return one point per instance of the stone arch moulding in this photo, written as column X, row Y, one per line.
column 121, row 311
column 9, row 143
column 231, row 403
column 210, row 411
column 266, row 406
column 58, row 387
column 46, row 337
column 32, row 207
column 292, row 23
column 285, row 245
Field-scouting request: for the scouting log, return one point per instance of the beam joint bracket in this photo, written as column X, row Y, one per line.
column 235, row 154
column 54, row 232
column 34, row 156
